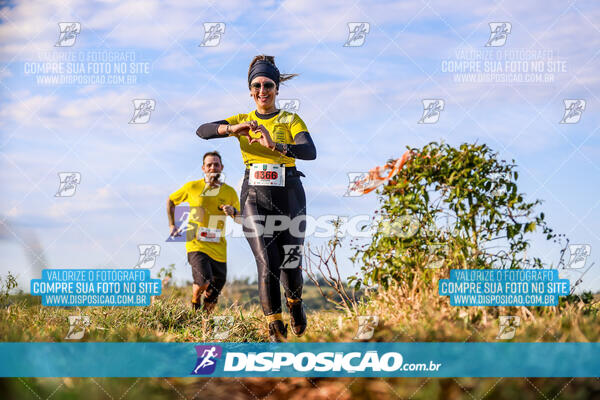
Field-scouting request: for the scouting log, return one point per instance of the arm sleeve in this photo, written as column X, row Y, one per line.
column 209, row 130
column 304, row 149
column 180, row 195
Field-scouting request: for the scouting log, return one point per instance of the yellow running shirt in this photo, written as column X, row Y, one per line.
column 204, row 203
column 283, row 127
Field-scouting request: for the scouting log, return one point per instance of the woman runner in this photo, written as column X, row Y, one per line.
column 273, row 204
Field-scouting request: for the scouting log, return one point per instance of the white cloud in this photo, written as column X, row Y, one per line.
column 5, row 73
column 174, row 61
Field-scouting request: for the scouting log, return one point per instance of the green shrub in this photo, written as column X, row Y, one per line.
column 457, row 207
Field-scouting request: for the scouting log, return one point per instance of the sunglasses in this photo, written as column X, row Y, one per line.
column 266, row 85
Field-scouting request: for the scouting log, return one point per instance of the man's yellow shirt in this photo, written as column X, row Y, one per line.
column 284, row 127
column 204, row 202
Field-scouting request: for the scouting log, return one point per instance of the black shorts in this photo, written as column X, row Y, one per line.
column 206, row 270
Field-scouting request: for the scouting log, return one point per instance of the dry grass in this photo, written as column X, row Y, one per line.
column 413, row 312
column 409, row 313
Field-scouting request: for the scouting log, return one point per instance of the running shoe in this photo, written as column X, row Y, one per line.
column 277, row 331
column 298, row 317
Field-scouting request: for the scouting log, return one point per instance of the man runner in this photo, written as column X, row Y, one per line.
column 210, row 201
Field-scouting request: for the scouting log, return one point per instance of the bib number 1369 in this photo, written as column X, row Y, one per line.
column 267, row 175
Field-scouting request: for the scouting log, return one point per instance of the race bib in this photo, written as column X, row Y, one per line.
column 267, row 175
column 208, row 235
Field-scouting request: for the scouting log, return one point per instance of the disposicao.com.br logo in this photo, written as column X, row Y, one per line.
column 207, row 359
column 307, row 362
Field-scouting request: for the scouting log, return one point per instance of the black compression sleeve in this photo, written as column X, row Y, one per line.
column 304, row 149
column 209, row 130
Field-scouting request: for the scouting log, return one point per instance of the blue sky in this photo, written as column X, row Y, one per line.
column 361, row 105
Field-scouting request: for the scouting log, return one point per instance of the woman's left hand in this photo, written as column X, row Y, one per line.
column 264, row 139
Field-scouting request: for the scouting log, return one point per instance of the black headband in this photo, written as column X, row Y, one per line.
column 264, row 68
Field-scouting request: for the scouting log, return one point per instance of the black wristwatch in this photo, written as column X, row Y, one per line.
column 281, row 147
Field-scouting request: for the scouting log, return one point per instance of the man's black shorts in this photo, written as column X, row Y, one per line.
column 206, row 270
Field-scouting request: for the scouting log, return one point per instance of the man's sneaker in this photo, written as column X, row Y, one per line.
column 277, row 331
column 298, row 317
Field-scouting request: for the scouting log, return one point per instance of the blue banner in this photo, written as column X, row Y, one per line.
column 357, row 359
column 504, row 287
column 95, row 287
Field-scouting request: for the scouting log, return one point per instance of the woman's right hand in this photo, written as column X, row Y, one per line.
column 244, row 128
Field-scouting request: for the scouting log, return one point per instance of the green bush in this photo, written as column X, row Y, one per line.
column 449, row 206
column 7, row 285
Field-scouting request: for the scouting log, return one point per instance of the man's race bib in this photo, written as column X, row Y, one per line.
column 267, row 175
column 208, row 235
